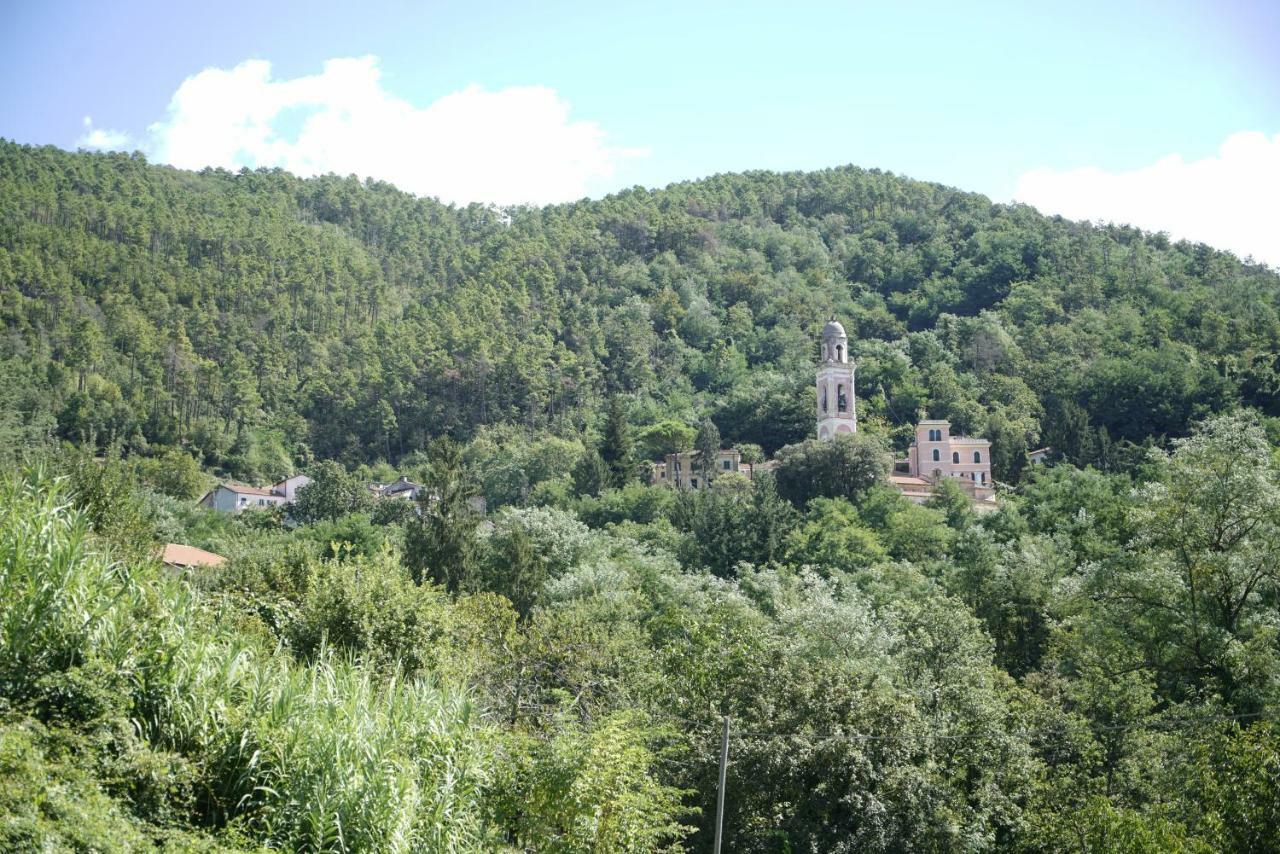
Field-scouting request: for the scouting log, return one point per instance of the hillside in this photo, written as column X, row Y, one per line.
column 260, row 319
column 1092, row 663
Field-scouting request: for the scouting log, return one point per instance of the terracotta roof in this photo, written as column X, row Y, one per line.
column 244, row 489
column 176, row 554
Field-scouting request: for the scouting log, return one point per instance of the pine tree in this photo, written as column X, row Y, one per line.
column 441, row 545
column 615, row 449
column 706, row 446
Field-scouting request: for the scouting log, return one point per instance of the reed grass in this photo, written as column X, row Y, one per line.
column 322, row 756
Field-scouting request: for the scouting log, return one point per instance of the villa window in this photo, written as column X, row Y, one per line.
column 977, row 456
column 725, row 465
column 937, row 455
column 694, row 482
column 984, row 476
column 955, row 457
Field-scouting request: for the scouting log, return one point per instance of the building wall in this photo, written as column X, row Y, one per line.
column 830, row 379
column 682, row 470
column 229, row 501
column 936, row 436
column 290, row 486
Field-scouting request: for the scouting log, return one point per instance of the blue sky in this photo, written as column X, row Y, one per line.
column 1070, row 109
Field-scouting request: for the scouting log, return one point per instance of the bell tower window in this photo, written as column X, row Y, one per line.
column 842, row 402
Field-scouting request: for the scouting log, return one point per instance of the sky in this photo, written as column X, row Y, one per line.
column 1164, row 115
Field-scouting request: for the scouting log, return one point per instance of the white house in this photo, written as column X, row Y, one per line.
column 290, row 486
column 233, row 497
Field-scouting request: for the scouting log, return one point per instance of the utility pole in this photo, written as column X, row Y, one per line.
column 724, row 766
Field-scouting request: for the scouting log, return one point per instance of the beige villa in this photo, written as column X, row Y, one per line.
column 683, row 471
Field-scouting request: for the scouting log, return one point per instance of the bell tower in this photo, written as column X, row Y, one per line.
column 837, row 407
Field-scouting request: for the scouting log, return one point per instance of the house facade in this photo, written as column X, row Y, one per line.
column 683, row 471
column 937, row 454
column 233, row 497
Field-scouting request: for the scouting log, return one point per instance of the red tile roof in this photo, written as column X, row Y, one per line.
column 176, row 554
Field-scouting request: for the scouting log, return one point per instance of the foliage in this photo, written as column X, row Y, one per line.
column 332, row 493
column 843, row 467
column 439, row 544
column 1091, row 667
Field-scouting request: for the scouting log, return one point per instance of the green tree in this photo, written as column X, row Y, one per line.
column 707, row 446
column 441, row 545
column 832, row 536
column 591, row 474
column 1199, row 602
column 615, row 448
column 174, row 472
column 332, row 493
column 843, row 467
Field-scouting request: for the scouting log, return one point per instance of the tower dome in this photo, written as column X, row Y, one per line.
column 835, row 343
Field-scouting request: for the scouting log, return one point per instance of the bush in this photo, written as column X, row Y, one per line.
column 843, row 467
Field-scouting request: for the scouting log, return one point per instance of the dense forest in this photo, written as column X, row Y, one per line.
column 1094, row 667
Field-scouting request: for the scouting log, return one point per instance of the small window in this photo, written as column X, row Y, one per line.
column 977, row 456
column 984, row 476
column 955, row 456
column 694, row 482
column 937, row 455
column 725, row 465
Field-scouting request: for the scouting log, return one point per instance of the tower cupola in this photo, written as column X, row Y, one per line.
column 835, row 343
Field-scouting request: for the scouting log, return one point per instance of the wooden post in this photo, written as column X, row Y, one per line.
column 724, row 766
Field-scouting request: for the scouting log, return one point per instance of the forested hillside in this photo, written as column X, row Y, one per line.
column 1094, row 666
column 259, row 319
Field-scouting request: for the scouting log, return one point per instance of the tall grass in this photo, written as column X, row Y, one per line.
column 318, row 757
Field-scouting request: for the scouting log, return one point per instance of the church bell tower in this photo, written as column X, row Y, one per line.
column 837, row 408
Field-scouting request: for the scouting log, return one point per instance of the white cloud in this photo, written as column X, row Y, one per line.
column 101, row 138
column 1229, row 201
column 512, row 146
